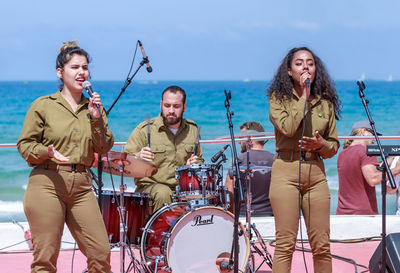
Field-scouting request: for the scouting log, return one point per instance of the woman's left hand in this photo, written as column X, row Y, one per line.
column 93, row 101
column 313, row 143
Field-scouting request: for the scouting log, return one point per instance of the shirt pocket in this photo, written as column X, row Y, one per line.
column 187, row 152
column 160, row 154
column 320, row 122
column 189, row 148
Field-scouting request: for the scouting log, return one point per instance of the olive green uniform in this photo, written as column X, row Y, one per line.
column 58, row 192
column 170, row 151
column 287, row 118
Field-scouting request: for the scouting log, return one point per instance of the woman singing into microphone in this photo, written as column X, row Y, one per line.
column 61, row 132
column 298, row 174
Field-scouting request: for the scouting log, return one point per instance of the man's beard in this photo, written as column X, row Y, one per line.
column 173, row 121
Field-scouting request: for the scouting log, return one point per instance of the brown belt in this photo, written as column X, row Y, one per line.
column 64, row 167
column 294, row 155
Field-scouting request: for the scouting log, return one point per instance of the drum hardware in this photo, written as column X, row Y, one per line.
column 123, row 164
column 196, row 181
column 190, row 240
column 249, row 169
column 123, row 225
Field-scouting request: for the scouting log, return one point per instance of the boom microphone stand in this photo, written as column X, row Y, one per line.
column 128, row 81
column 121, row 209
column 385, row 169
column 238, row 192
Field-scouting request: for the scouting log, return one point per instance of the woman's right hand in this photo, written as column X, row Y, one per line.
column 303, row 78
column 146, row 153
column 53, row 153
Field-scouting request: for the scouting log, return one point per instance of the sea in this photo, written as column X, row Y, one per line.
column 205, row 105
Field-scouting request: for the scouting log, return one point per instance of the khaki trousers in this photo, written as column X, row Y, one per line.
column 159, row 193
column 53, row 198
column 315, row 196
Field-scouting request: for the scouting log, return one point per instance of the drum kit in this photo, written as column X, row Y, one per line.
column 192, row 234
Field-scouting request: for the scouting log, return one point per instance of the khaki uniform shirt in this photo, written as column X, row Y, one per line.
column 287, row 116
column 170, row 151
column 51, row 120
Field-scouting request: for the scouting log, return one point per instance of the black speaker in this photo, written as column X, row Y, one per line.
column 392, row 255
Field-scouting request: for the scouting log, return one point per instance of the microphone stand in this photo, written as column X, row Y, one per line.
column 127, row 83
column 385, row 170
column 99, row 162
column 238, row 192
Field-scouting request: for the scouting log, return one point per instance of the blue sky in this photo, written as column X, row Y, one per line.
column 201, row 39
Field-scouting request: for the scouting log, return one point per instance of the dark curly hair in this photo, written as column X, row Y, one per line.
column 283, row 84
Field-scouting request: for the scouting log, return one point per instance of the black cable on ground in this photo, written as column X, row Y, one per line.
column 345, row 241
column 7, row 252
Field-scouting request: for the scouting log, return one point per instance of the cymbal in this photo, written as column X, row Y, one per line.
column 247, row 134
column 133, row 166
column 252, row 168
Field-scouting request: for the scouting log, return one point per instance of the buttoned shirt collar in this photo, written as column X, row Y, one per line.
column 61, row 100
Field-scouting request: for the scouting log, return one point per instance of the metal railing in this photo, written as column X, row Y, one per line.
column 242, row 139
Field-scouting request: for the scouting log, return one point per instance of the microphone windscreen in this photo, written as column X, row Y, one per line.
column 86, row 84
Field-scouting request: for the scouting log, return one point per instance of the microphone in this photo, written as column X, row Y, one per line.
column 226, row 265
column 88, row 87
column 218, row 155
column 145, row 59
column 308, row 83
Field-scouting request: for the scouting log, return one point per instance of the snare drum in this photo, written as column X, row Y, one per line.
column 137, row 207
column 182, row 240
column 194, row 179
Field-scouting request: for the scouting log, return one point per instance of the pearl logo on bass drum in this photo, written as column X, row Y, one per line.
column 199, row 221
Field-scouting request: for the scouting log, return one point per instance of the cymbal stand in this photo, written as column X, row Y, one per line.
column 267, row 258
column 123, row 222
column 238, row 193
column 248, row 187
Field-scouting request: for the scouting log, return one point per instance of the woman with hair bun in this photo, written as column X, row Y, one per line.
column 298, row 179
column 60, row 135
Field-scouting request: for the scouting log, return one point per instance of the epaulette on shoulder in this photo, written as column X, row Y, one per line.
column 191, row 122
column 144, row 123
column 42, row 99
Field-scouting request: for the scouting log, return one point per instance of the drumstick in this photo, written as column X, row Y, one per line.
column 148, row 132
column 196, row 143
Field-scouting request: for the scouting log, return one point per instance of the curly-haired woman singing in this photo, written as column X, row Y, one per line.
column 298, row 180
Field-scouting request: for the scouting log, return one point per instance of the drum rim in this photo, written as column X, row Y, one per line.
column 151, row 221
column 167, row 242
column 128, row 193
column 195, row 166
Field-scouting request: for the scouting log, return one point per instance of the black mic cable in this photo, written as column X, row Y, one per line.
column 300, row 156
column 88, row 87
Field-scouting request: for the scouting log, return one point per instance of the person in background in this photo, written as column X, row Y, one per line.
column 60, row 135
column 358, row 174
column 259, row 179
column 302, row 87
column 396, row 177
column 172, row 144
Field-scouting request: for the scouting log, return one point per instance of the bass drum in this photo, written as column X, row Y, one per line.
column 177, row 239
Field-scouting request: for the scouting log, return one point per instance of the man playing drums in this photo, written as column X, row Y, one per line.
column 168, row 141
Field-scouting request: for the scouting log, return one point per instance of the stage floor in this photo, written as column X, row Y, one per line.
column 360, row 252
